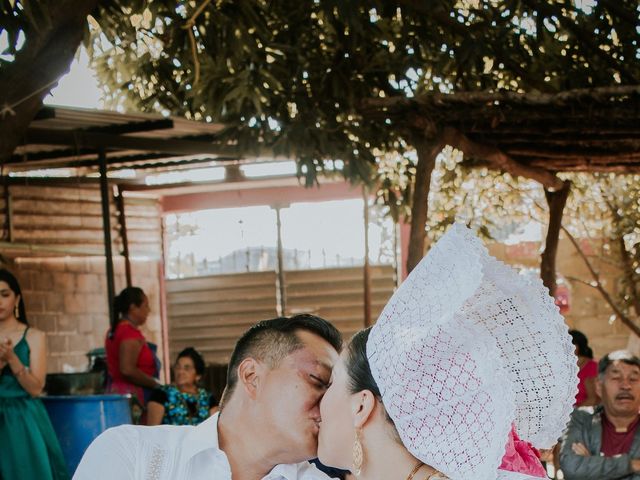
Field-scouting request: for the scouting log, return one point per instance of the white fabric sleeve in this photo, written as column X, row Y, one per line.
column 110, row 456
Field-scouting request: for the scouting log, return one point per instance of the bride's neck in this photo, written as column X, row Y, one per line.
column 386, row 459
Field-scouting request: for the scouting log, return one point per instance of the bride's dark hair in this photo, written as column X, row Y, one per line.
column 359, row 372
column 360, row 376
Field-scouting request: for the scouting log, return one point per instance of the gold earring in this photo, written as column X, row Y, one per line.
column 358, row 455
column 16, row 311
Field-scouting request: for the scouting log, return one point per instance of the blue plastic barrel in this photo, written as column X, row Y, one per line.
column 79, row 419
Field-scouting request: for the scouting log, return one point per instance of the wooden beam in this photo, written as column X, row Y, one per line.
column 586, row 161
column 571, row 153
column 83, row 139
column 596, row 95
column 555, row 166
column 67, row 181
column 135, row 127
column 499, row 159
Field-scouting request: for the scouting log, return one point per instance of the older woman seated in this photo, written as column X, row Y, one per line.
column 182, row 403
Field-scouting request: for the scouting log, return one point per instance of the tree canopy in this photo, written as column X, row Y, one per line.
column 354, row 81
column 334, row 84
column 299, row 77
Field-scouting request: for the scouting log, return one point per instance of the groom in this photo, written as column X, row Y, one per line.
column 268, row 423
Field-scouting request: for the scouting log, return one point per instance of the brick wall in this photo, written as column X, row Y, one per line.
column 66, row 297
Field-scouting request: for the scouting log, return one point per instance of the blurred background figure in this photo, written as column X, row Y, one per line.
column 183, row 402
column 588, row 373
column 132, row 365
column 30, row 449
column 604, row 444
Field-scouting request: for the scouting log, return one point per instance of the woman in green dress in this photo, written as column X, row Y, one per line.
column 30, row 449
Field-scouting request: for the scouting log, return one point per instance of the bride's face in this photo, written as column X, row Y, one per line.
column 337, row 431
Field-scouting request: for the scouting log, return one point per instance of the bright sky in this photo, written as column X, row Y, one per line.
column 79, row 88
column 335, row 227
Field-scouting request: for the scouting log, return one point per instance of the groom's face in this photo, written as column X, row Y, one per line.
column 292, row 391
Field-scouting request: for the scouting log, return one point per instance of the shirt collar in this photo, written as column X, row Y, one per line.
column 205, row 436
column 286, row 471
column 202, row 437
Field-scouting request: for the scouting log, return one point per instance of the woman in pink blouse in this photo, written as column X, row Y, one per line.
column 588, row 373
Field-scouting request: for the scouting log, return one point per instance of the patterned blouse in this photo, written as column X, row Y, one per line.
column 182, row 408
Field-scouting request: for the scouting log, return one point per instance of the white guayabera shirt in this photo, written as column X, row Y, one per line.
column 170, row 453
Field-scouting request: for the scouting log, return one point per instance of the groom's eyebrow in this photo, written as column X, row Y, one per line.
column 325, row 365
column 319, row 370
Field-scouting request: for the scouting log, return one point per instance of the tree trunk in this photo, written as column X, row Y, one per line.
column 427, row 153
column 556, row 201
column 45, row 57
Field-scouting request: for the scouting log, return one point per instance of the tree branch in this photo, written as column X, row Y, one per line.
column 46, row 56
column 627, row 264
column 579, row 280
column 499, row 159
column 598, row 286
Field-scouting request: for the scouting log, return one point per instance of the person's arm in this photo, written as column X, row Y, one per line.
column 129, row 351
column 578, row 462
column 155, row 413
column 30, row 378
column 111, row 455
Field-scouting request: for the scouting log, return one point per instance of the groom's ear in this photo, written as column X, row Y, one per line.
column 249, row 376
column 363, row 404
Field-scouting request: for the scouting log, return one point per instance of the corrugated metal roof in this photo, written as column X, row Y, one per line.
column 34, row 153
column 72, row 118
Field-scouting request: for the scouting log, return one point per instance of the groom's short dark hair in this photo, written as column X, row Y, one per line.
column 270, row 341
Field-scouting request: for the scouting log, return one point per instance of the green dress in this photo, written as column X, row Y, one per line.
column 29, row 449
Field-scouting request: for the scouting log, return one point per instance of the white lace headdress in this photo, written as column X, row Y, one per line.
column 465, row 348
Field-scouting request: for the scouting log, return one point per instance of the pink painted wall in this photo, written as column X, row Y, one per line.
column 259, row 196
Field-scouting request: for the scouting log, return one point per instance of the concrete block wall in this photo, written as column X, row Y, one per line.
column 66, row 297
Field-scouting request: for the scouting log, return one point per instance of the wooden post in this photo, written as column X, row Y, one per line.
column 122, row 220
column 8, row 210
column 367, row 266
column 164, row 323
column 556, row 201
column 106, row 225
column 282, row 301
column 164, row 316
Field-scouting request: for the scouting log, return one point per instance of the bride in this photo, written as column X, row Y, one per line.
column 466, row 355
